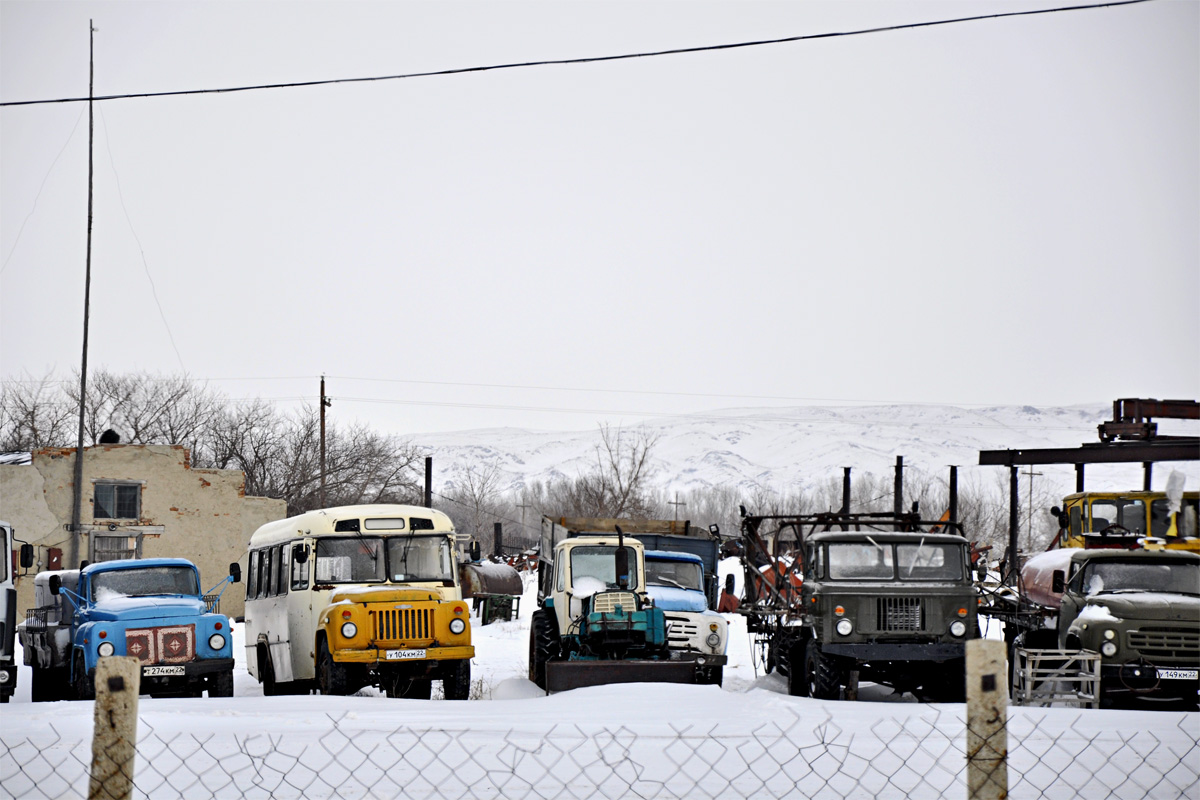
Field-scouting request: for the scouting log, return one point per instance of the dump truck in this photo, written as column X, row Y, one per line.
column 839, row 597
column 1138, row 609
column 596, row 623
column 151, row 609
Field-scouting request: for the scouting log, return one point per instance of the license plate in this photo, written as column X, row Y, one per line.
column 1178, row 674
column 151, row 672
column 400, row 655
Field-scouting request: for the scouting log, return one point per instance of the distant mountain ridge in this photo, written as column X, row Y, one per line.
column 790, row 448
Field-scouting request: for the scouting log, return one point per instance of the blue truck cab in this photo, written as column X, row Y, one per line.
column 151, row 609
column 677, row 581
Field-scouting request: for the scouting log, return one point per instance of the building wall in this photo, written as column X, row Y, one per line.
column 199, row 514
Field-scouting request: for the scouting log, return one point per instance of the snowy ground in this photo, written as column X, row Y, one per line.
column 747, row 738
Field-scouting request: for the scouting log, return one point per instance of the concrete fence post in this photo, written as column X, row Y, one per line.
column 987, row 720
column 114, row 740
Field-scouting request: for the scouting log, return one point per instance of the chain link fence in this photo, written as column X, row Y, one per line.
column 1050, row 755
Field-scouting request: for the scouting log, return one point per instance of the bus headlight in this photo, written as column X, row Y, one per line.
column 105, row 649
column 1109, row 649
column 844, row 627
column 349, row 630
column 958, row 627
column 457, row 625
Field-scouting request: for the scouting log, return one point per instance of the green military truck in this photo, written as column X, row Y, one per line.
column 836, row 598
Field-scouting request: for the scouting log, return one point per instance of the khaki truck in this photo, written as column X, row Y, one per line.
column 353, row 596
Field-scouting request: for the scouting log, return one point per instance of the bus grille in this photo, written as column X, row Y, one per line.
column 1166, row 643
column 900, row 614
column 403, row 625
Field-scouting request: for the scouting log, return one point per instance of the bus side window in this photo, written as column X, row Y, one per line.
column 252, row 583
column 281, row 569
column 299, row 566
column 268, row 590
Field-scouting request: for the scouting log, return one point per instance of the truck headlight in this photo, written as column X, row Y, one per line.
column 713, row 639
column 1110, row 634
column 105, row 649
column 216, row 641
column 958, row 627
column 4, row 676
column 457, row 625
column 349, row 630
column 1109, row 649
column 844, row 627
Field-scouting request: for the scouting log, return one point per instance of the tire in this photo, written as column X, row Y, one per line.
column 266, row 672
column 456, row 679
column 543, row 645
column 950, row 685
column 221, row 684
column 84, row 685
column 797, row 682
column 822, row 674
column 331, row 676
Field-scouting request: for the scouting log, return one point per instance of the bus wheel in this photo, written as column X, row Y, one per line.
column 456, row 679
column 331, row 676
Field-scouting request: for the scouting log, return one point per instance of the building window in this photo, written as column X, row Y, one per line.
column 116, row 500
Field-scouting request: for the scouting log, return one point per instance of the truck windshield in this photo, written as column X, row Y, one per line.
column 143, row 581
column 930, row 562
column 350, row 560
column 861, row 561
column 680, row 574
column 600, row 563
column 420, row 558
column 1125, row 576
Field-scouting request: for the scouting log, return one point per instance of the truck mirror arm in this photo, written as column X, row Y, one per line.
column 227, row 580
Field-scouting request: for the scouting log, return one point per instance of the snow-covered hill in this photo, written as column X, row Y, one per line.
column 797, row 447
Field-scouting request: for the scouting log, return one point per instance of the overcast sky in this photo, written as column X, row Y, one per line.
column 993, row 212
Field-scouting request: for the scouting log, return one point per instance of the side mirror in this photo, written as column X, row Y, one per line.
column 26, row 556
column 299, row 554
column 982, row 571
column 1058, row 581
column 622, row 567
column 55, row 585
column 84, row 564
column 1055, row 511
column 715, row 530
column 475, row 551
column 235, row 572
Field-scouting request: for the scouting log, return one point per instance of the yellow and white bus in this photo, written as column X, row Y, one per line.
column 353, row 596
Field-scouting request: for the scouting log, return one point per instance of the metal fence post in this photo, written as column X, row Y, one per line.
column 114, row 741
column 987, row 719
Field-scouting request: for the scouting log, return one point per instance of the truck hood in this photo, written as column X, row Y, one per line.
column 668, row 598
column 123, row 608
column 1143, row 605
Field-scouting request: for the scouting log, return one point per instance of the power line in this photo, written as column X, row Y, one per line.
column 584, row 60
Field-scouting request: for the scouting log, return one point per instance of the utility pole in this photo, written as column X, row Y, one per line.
column 1032, row 475
column 677, row 504
column 325, row 403
column 77, row 504
column 523, row 506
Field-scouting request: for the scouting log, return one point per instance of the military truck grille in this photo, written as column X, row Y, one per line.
column 403, row 624
column 607, row 602
column 682, row 632
column 1166, row 643
column 900, row 614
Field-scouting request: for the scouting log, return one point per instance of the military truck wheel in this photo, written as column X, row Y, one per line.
column 331, row 676
column 221, row 685
column 85, row 689
column 797, row 679
column 543, row 645
column 822, row 674
column 456, row 679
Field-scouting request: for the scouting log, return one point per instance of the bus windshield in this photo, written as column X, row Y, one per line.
column 143, row 581
column 420, row 558
column 350, row 560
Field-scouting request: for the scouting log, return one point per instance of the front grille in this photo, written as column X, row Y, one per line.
column 682, row 631
column 900, row 614
column 607, row 602
column 1166, row 643
column 403, row 624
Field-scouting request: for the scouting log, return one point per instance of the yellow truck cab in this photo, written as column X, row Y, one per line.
column 1128, row 520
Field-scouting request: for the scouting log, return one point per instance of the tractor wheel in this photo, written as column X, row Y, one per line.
column 822, row 674
column 85, row 689
column 797, row 681
column 456, row 679
column 331, row 676
column 543, row 645
column 221, row 684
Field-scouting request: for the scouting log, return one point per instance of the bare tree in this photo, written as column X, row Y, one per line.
column 34, row 413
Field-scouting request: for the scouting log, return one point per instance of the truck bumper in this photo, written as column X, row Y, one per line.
column 705, row 660
column 8, row 679
column 897, row 651
column 564, row 675
column 1142, row 680
column 374, row 656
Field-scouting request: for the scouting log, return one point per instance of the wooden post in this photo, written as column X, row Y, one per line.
column 114, row 740
column 987, row 720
